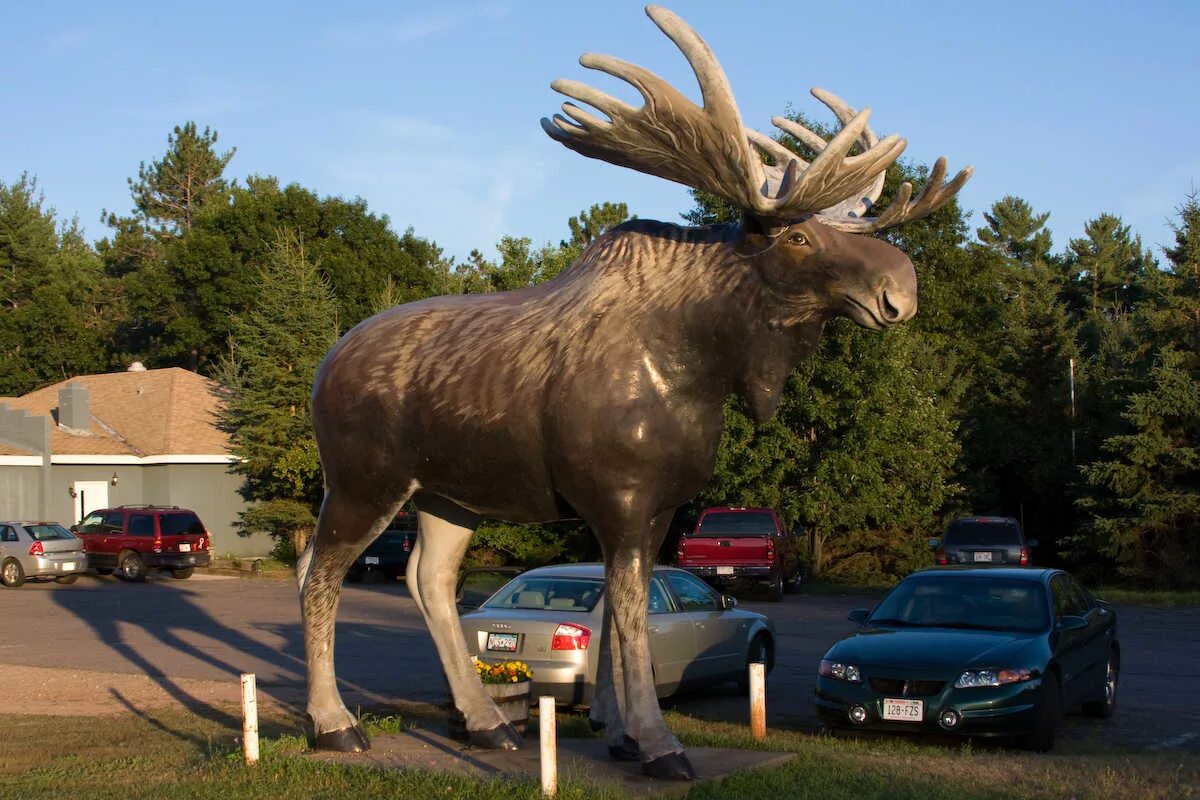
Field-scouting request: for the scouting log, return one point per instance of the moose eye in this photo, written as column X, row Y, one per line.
column 797, row 239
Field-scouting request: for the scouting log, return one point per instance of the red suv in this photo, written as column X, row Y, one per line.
column 135, row 539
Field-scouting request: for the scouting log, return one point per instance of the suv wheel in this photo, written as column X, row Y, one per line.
column 182, row 573
column 132, row 567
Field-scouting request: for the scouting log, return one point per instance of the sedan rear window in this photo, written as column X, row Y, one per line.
column 734, row 524
column 48, row 533
column 541, row 593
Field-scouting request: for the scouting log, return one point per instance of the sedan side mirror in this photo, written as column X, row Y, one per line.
column 933, row 543
column 858, row 615
column 1070, row 622
column 728, row 602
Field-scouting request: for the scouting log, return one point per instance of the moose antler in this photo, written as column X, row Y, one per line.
column 708, row 148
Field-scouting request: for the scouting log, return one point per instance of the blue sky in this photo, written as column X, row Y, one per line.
column 429, row 110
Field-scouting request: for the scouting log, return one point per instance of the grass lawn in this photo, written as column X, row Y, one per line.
column 177, row 754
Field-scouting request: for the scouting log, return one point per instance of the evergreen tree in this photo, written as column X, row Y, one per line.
column 173, row 190
column 55, row 299
column 274, row 350
column 1015, row 232
column 1145, row 507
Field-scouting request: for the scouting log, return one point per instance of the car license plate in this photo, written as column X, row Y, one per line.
column 67, row 566
column 983, row 556
column 504, row 642
column 184, row 547
column 369, row 560
column 724, row 570
column 903, row 710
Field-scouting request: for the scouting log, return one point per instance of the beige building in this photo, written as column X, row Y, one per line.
column 136, row 437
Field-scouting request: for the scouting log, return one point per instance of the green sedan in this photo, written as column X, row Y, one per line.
column 975, row 652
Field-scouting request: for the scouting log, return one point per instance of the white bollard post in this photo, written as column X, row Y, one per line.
column 249, row 719
column 548, row 731
column 758, row 701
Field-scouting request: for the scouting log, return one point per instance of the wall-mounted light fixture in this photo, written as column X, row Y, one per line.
column 71, row 491
column 113, row 480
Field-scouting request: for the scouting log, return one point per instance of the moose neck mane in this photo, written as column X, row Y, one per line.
column 691, row 289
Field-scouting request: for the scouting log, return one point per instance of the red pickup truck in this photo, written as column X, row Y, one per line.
column 731, row 544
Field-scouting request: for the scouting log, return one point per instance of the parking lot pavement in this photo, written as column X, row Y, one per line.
column 216, row 629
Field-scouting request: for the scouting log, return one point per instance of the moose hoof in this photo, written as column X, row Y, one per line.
column 627, row 750
column 672, row 766
column 502, row 737
column 344, row 740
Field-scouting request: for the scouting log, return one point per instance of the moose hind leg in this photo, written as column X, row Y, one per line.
column 344, row 529
column 445, row 532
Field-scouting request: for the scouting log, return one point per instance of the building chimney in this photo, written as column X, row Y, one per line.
column 73, row 407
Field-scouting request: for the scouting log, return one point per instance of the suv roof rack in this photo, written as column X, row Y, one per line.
column 149, row 505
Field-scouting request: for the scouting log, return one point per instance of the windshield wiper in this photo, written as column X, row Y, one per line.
column 888, row 621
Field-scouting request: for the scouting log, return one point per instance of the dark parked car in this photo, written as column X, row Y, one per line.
column 39, row 551
column 135, row 539
column 976, row 652
column 984, row 541
column 551, row 618
column 387, row 556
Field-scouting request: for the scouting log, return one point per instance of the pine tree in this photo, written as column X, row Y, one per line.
column 1145, row 512
column 173, row 190
column 56, row 316
column 275, row 349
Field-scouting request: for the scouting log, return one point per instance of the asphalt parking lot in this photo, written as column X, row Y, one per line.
column 216, row 628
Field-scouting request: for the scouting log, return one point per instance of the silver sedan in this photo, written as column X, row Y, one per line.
column 551, row 618
column 39, row 551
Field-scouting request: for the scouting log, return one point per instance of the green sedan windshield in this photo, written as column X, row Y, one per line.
column 974, row 602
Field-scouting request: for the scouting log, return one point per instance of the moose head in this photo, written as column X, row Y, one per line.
column 598, row 395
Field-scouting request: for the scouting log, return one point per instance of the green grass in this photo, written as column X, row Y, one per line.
column 180, row 755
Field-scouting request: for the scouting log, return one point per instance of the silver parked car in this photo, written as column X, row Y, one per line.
column 39, row 551
column 551, row 618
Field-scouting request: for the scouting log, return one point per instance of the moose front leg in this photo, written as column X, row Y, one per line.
column 607, row 712
column 629, row 567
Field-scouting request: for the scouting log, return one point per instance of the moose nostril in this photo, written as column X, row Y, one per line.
column 891, row 312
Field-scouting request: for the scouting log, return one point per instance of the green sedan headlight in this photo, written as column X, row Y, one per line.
column 991, row 677
column 840, row 671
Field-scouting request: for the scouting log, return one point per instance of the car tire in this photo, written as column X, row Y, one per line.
column 66, row 580
column 183, row 573
column 1106, row 705
column 775, row 588
column 131, row 567
column 1049, row 715
column 760, row 649
column 11, row 574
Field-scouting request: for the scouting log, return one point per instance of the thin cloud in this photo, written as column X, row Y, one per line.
column 418, row 26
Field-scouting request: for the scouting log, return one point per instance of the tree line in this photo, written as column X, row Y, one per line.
column 1059, row 387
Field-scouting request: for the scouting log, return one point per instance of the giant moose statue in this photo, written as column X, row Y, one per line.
column 598, row 395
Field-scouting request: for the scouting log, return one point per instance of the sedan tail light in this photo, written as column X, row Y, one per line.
column 570, row 637
column 36, row 549
column 1024, row 556
column 941, row 557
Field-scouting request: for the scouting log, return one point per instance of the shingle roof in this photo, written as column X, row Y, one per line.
column 145, row 413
